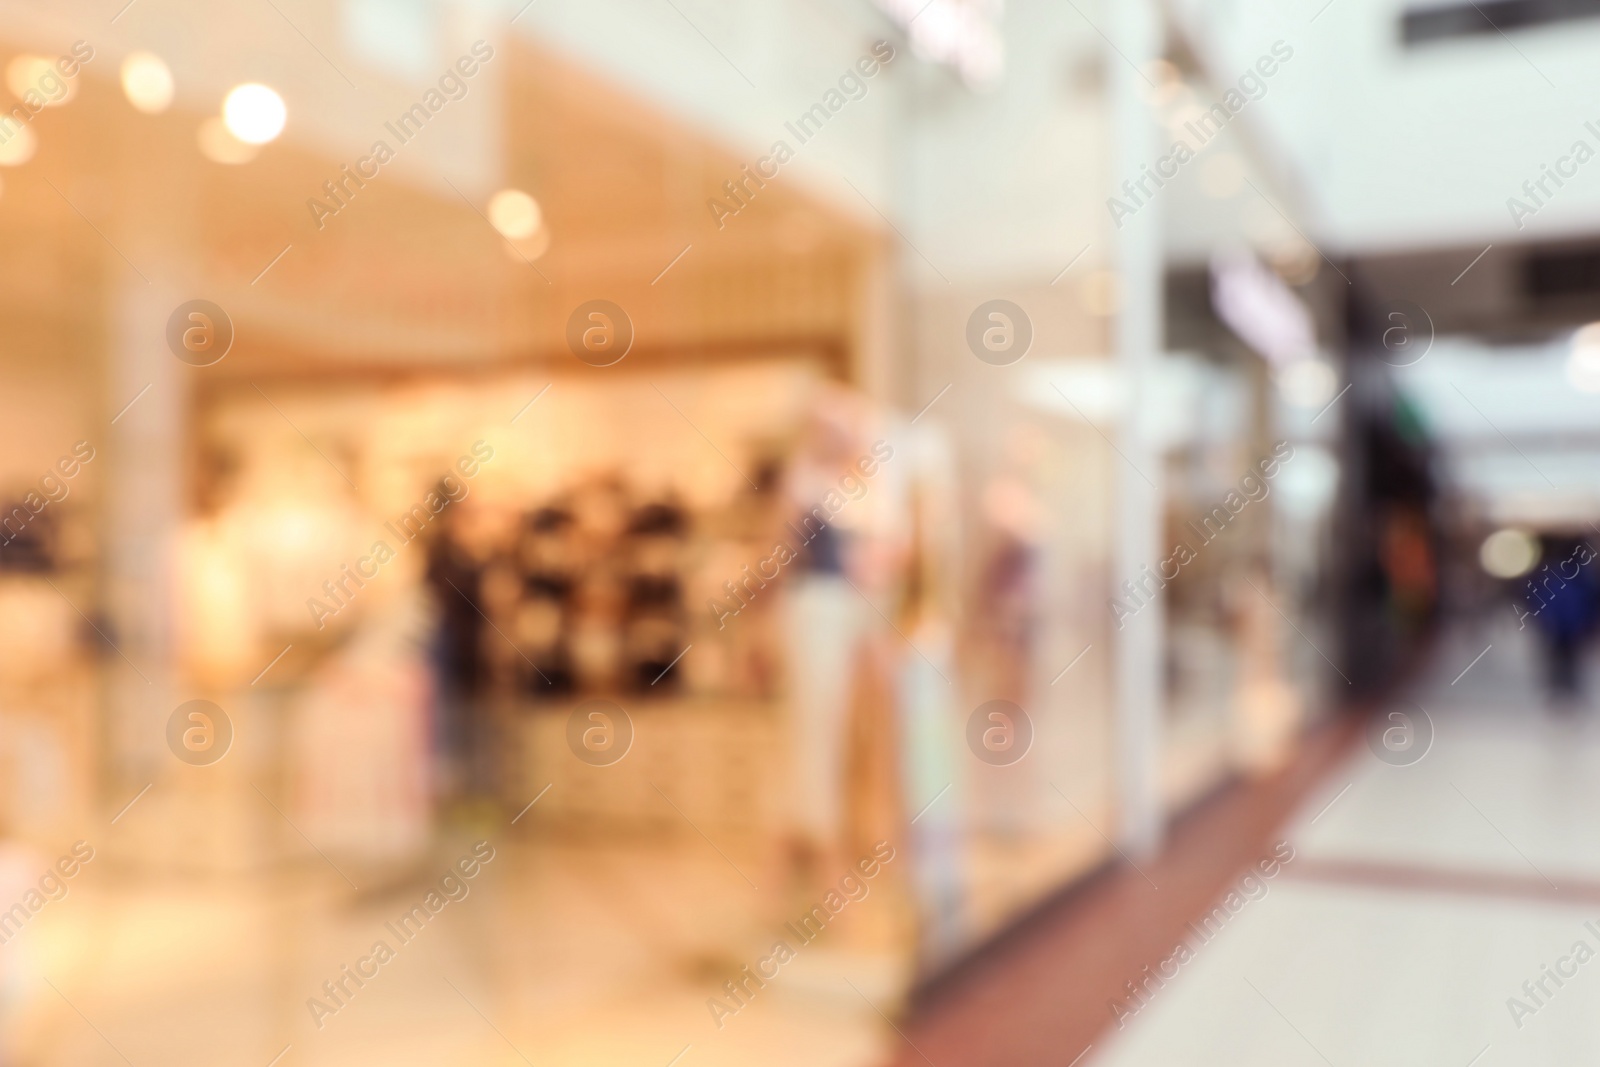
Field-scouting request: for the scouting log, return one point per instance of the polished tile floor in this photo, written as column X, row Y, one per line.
column 558, row 954
column 1421, row 898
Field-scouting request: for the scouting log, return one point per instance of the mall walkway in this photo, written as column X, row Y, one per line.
column 1420, row 899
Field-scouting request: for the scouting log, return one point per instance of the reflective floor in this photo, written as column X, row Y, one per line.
column 554, row 953
column 1420, row 899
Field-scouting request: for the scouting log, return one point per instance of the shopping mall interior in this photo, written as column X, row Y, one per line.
column 844, row 533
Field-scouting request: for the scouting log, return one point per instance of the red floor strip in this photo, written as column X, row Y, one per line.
column 1041, row 992
column 1454, row 881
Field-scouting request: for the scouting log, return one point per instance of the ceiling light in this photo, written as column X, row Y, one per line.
column 19, row 147
column 147, row 82
column 515, row 214
column 1583, row 361
column 221, row 146
column 1509, row 553
column 37, row 74
column 254, row 113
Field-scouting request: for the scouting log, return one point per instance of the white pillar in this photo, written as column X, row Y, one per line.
column 143, row 513
column 1135, row 27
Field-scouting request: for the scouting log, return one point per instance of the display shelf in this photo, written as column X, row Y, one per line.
column 719, row 762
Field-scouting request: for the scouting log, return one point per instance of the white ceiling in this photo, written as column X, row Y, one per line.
column 1513, row 431
column 1399, row 148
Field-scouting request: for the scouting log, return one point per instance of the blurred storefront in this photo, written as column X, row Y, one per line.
column 648, row 535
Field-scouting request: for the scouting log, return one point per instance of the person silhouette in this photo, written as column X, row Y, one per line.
column 1566, row 615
